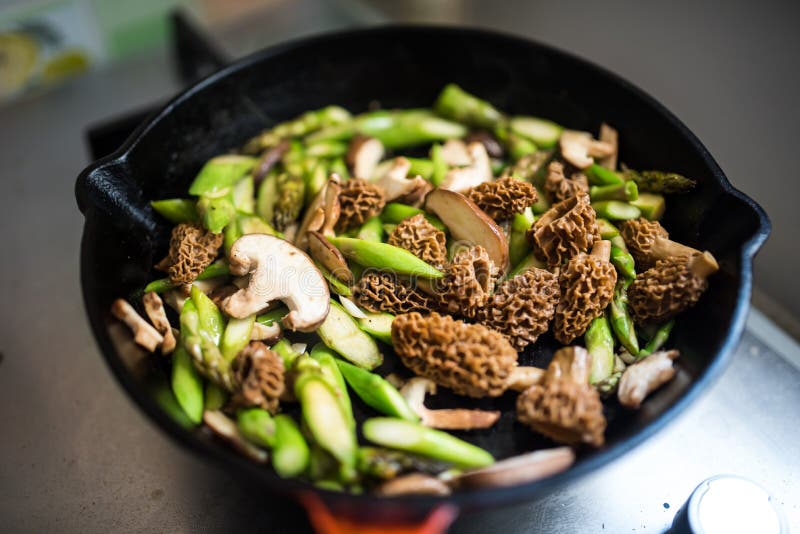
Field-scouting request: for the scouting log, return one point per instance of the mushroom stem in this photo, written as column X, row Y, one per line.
column 144, row 334
column 602, row 249
column 524, row 377
column 664, row 248
column 414, row 392
column 570, row 363
column 703, row 265
column 518, row 469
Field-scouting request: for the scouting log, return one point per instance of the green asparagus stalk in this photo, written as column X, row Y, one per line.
column 219, row 174
column 388, row 228
column 615, row 210
column 395, row 213
column 651, row 205
column 236, row 336
column 385, row 464
column 421, row 166
column 267, row 196
column 456, row 104
column 211, row 322
column 326, row 149
column 618, row 242
column 176, row 210
column 384, row 256
column 621, row 322
column 219, row 268
column 405, row 128
column 231, row 233
column 160, row 390
column 623, row 261
column 440, row 168
column 315, row 180
column 216, row 213
column 542, row 204
column 215, row 397
column 372, row 230
column 271, row 317
column 415, row 438
column 660, row 182
column 607, row 230
column 336, row 285
column 518, row 246
column 376, row 392
column 341, row 332
column 600, row 344
column 543, row 133
column 498, row 166
column 257, row 426
column 378, row 325
column 244, row 195
column 626, row 191
column 658, row 340
column 284, row 349
column 290, row 452
column 289, row 201
column 528, row 262
column 338, row 166
column 326, row 358
column 253, row 224
column 201, row 344
column 322, row 465
column 599, row 175
column 187, row 384
column 303, row 125
column 517, row 146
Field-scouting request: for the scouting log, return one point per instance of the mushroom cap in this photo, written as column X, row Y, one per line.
column 363, row 155
column 504, row 197
column 639, row 235
column 258, row 372
column 558, row 187
column 418, row 236
column 522, row 307
column 664, row 291
column 192, row 248
column 470, row 359
column 359, row 201
column 468, row 282
column 385, row 292
column 566, row 229
column 565, row 411
column 477, row 171
column 587, row 287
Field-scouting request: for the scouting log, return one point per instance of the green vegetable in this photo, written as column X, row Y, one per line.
column 651, row 205
column 327, row 361
column 378, row 325
column 244, row 195
column 607, row 230
column 272, row 316
column 542, row 204
column 219, row 268
column 533, row 168
column 257, row 426
column 176, row 210
column 341, row 333
column 625, row 191
column 657, row 341
column 599, row 175
column 395, row 213
column 216, row 213
column 236, row 336
column 660, row 182
column 215, row 397
column 290, row 200
column 211, row 322
column 389, row 228
column 322, row 466
column 336, row 285
column 623, row 261
column 231, row 234
column 201, row 343
column 386, row 464
column 621, row 322
column 306, row 123
column 542, row 132
column 384, row 256
column 439, row 165
column 219, row 174
column 187, row 384
column 290, row 452
column 600, row 344
column 315, row 181
column 371, row 230
column 518, row 246
column 415, row 438
column 421, row 166
column 326, row 149
column 267, row 196
column 528, row 262
column 456, row 104
column 284, row 349
column 519, row 147
column 376, row 392
column 338, row 166
column 405, row 128
column 253, row 224
column 615, row 210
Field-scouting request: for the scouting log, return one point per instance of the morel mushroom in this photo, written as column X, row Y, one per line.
column 566, row 229
column 385, row 292
column 649, row 242
column 587, row 287
column 422, row 239
column 564, row 407
column 670, row 287
column 522, row 307
column 359, row 201
column 644, row 377
column 468, row 282
column 259, row 374
column 504, row 197
column 558, row 187
column 192, row 248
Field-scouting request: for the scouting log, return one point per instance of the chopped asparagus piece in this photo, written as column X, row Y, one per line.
column 658, row 339
column 378, row 325
column 341, row 333
column 211, row 322
column 626, row 191
column 372, row 230
column 220, row 173
column 324, row 417
column 599, row 175
column 440, row 168
column 395, row 213
column 623, row 261
column 219, row 268
column 216, row 213
column 518, row 246
column 384, row 256
column 651, row 205
column 615, row 210
column 176, row 210
column 400, row 129
column 542, row 132
column 621, row 322
column 215, row 397
column 607, row 230
column 236, row 336
column 421, row 166
column 528, row 262
column 257, row 426
column 376, row 392
column 290, row 453
column 187, row 385
column 267, row 196
column 244, row 195
column 456, row 104
column 600, row 344
column 326, row 358
column 660, row 182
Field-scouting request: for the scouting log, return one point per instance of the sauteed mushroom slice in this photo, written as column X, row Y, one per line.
column 363, row 156
column 517, row 470
column 329, row 257
column 578, row 148
column 322, row 214
column 143, row 334
column 154, row 307
column 476, row 172
column 644, row 377
column 396, row 184
column 414, row 392
column 226, row 429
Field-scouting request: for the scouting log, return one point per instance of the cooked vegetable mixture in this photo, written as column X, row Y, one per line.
column 300, row 262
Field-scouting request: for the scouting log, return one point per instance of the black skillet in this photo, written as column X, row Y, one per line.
column 406, row 67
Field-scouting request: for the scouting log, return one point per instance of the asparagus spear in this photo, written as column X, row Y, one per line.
column 290, row 200
column 315, row 180
column 290, row 452
column 658, row 340
column 616, row 210
column 542, row 132
column 257, row 426
column 376, row 392
column 378, row 325
column 338, row 166
column 298, row 127
column 386, row 464
column 284, row 349
column 176, row 210
column 415, row 438
column 456, row 104
column 518, row 246
column 187, row 385
column 341, row 333
column 211, row 323
column 372, row 230
column 528, row 262
column 243, row 195
column 236, row 336
column 267, row 196
column 542, row 204
column 326, row 358
column 600, row 344
column 421, row 166
column 395, row 213
column 219, row 268
column 215, row 397
column 219, row 174
column 405, row 128
column 660, row 182
column 599, row 175
column 651, row 205
column 607, row 230
column 326, row 149
column 623, row 261
column 231, row 233
column 216, row 213
column 384, row 256
column 439, row 165
column 336, row 285
column 626, row 191
column 621, row 322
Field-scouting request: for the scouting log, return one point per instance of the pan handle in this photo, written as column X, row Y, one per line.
column 437, row 521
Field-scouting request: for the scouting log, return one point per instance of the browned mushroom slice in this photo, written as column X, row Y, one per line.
column 359, row 201
column 266, row 334
column 476, row 172
column 455, row 153
column 226, row 429
column 504, row 197
column 329, row 257
column 414, row 392
column 413, row 484
column 395, row 181
column 670, row 287
column 143, row 334
column 517, row 470
column 468, row 223
column 154, row 307
column 322, row 213
column 587, row 287
column 578, row 148
column 566, row 229
column 470, row 359
column 363, row 156
column 559, row 188
column 489, row 142
column 644, row 377
column 649, row 242
column 611, row 136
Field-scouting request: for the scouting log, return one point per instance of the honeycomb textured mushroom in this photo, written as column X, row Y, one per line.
column 566, row 229
column 587, row 287
column 564, row 407
column 468, row 282
column 470, row 359
column 192, row 248
column 258, row 372
column 359, row 201
column 644, row 377
column 649, row 242
column 670, row 287
column 418, row 236
column 384, row 292
column 558, row 187
column 504, row 197
column 522, row 307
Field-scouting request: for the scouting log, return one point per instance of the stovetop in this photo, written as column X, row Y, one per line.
column 79, row 456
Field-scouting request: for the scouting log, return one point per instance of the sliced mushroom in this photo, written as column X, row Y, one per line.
column 225, row 428
column 467, row 222
column 579, row 148
column 364, row 155
column 143, row 334
column 268, row 334
column 175, row 299
column 413, row 484
column 278, row 271
column 645, row 376
column 455, row 153
column 329, row 257
column 414, row 392
column 395, row 181
column 478, row 171
column 518, row 469
column 611, row 136
column 323, row 212
column 154, row 307
column 524, row 377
